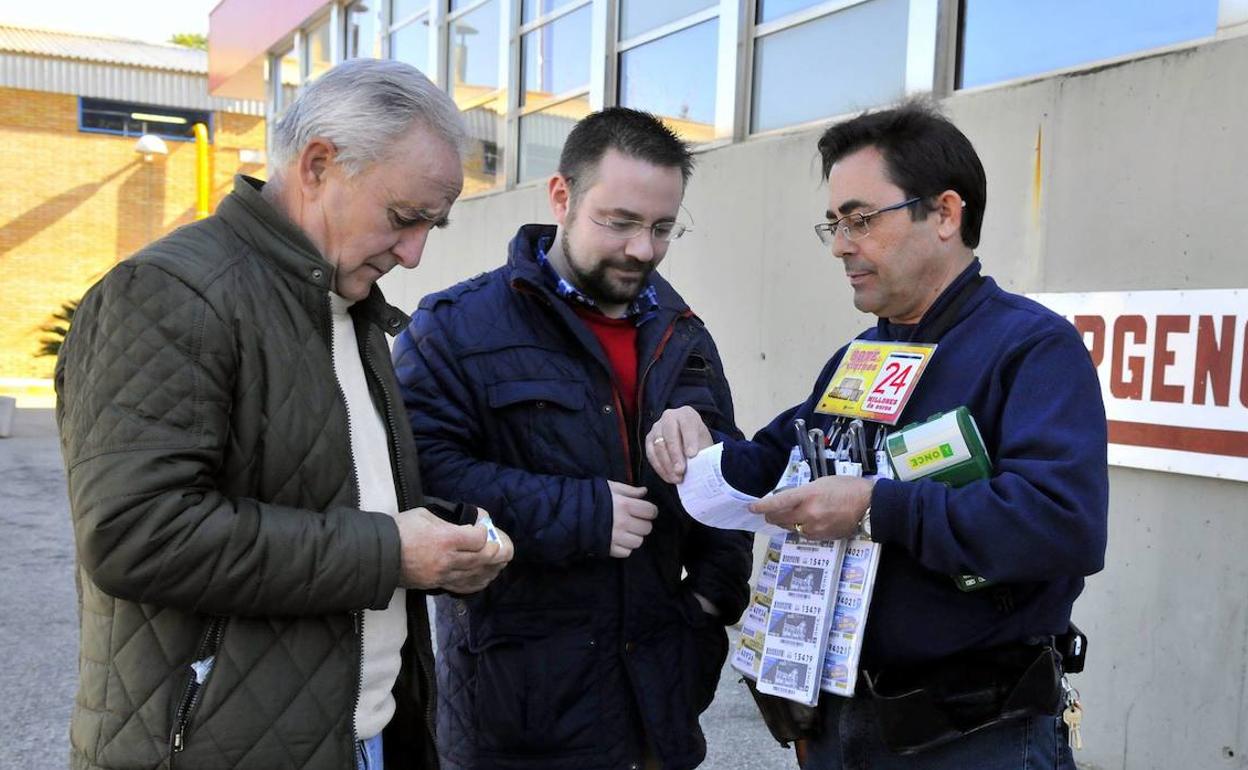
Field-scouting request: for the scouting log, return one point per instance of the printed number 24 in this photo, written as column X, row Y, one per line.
column 895, row 377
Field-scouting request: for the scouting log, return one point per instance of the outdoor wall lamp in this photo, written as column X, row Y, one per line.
column 149, row 145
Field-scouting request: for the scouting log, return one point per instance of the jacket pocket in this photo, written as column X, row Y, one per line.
column 695, row 387
column 537, row 687
column 198, row 671
column 567, row 394
column 540, row 425
column 706, row 649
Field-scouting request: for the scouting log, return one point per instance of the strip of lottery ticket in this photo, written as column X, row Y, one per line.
column 748, row 655
column 849, row 617
column 801, row 612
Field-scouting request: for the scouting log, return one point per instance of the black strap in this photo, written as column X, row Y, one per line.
column 932, row 331
column 925, row 331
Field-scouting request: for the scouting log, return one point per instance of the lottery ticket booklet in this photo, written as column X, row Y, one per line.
column 804, row 628
column 801, row 613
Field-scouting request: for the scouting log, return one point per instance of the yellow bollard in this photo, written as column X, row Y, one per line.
column 203, row 172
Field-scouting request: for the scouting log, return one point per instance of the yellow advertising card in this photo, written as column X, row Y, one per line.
column 875, row 379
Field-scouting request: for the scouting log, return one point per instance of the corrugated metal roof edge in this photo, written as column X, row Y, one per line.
column 137, row 44
column 108, row 62
column 147, row 86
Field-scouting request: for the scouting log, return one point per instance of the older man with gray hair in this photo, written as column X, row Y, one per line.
column 254, row 549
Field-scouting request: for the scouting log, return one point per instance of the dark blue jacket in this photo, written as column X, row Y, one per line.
column 559, row 662
column 1037, row 527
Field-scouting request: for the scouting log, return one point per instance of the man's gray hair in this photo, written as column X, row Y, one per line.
column 362, row 106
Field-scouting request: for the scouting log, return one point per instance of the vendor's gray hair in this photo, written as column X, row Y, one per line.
column 362, row 106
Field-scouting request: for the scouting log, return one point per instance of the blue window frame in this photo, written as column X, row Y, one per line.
column 107, row 116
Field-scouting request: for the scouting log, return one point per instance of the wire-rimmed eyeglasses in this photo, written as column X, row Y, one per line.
column 856, row 225
column 625, row 229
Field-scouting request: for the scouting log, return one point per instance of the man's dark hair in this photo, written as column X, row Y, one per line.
column 924, row 153
column 633, row 133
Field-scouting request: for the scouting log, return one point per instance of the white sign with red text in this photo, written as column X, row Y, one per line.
column 1172, row 371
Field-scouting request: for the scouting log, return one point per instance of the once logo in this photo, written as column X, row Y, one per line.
column 935, row 454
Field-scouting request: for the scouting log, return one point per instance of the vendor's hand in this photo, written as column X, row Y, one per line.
column 438, row 554
column 678, row 436
column 829, row 508
column 632, row 516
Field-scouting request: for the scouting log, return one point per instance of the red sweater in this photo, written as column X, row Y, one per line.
column 618, row 337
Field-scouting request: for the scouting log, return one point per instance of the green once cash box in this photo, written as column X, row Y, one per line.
column 947, row 448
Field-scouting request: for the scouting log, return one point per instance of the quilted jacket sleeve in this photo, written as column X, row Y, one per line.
column 550, row 519
column 145, row 391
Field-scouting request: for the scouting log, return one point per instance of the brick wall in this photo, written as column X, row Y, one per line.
column 73, row 204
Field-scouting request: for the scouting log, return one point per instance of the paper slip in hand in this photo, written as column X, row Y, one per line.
column 710, row 499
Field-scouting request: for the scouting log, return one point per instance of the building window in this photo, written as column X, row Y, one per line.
column 770, row 10
column 554, row 59
column 543, row 133
column 475, row 50
column 282, row 88
column 318, row 56
column 133, row 119
column 363, row 28
column 1007, row 39
column 667, row 62
column 409, row 34
column 674, row 77
column 555, row 43
column 826, row 59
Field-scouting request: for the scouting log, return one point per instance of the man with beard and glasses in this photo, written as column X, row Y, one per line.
column 529, row 389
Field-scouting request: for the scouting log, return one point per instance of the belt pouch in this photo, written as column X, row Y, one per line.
column 918, row 708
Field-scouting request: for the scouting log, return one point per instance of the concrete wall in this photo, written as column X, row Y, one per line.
column 74, row 204
column 1139, row 185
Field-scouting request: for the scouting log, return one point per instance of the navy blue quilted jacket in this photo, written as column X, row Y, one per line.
column 569, row 655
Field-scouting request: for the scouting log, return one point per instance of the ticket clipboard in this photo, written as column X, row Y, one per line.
column 874, row 380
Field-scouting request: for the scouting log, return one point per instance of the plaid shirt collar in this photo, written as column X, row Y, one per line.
column 641, row 309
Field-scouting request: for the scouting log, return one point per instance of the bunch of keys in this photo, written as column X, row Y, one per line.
column 1072, row 715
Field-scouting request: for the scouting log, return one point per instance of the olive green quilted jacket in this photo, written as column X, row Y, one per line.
column 213, row 497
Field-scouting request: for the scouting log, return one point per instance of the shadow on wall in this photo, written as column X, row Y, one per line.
column 36, row 220
column 141, row 207
column 187, row 215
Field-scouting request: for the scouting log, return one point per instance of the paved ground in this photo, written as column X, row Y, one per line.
column 38, row 616
column 39, row 626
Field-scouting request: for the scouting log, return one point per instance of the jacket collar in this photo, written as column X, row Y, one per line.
column 280, row 241
column 524, row 267
column 950, row 295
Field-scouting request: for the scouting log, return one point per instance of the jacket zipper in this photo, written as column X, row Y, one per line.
column 622, row 425
column 200, row 669
column 357, row 615
column 641, row 383
column 405, row 502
